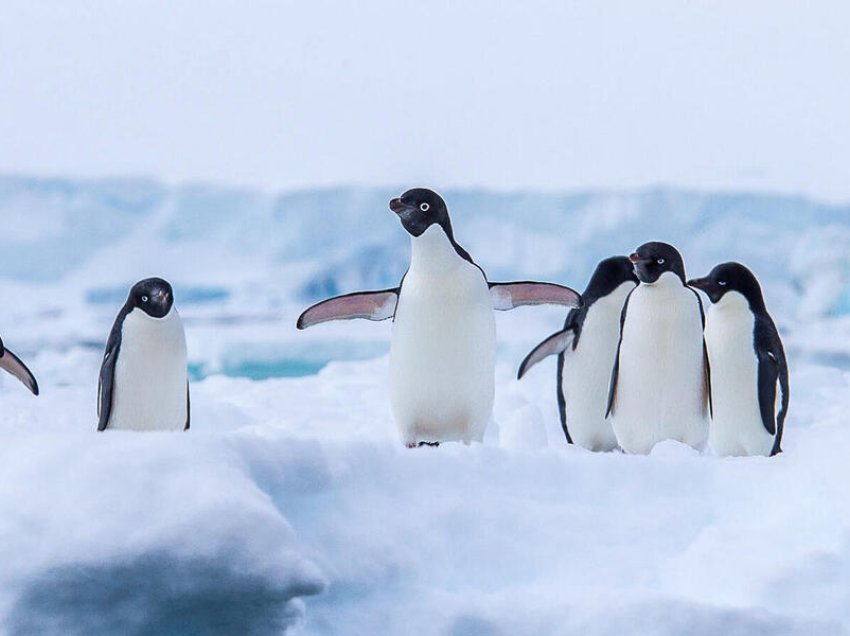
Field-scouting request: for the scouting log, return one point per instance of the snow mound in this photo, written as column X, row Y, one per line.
column 125, row 534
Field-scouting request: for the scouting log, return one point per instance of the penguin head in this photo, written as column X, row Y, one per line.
column 609, row 274
column 153, row 296
column 651, row 260
column 730, row 277
column 419, row 209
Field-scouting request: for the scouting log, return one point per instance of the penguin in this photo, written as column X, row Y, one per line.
column 749, row 372
column 12, row 364
column 143, row 378
column 586, row 347
column 443, row 343
column 660, row 384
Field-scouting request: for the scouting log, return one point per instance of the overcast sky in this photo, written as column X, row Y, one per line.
column 549, row 93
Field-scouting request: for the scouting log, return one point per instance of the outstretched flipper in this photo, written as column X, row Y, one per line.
column 12, row 364
column 553, row 345
column 508, row 296
column 374, row 305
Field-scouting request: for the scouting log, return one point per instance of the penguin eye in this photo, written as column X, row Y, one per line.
column 424, row 207
column 660, row 261
column 144, row 299
column 722, row 283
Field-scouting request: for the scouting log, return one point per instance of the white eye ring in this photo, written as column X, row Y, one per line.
column 722, row 283
column 424, row 207
column 660, row 261
column 144, row 299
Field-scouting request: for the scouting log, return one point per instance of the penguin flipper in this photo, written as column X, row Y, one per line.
column 773, row 375
column 783, row 400
column 615, row 371
column 12, row 364
column 553, row 345
column 508, row 296
column 706, row 363
column 106, row 380
column 372, row 305
column 188, row 407
column 768, row 378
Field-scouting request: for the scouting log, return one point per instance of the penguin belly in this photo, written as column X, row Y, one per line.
column 736, row 424
column 442, row 355
column 586, row 373
column 661, row 384
column 149, row 387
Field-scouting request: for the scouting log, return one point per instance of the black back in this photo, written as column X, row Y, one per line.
column 155, row 297
column 767, row 345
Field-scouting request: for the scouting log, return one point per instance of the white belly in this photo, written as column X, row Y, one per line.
column 442, row 356
column 149, row 388
column 736, row 425
column 587, row 373
column 660, row 390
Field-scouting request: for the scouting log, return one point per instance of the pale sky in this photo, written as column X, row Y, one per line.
column 531, row 94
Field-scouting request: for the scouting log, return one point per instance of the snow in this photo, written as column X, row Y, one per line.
column 291, row 506
column 287, row 485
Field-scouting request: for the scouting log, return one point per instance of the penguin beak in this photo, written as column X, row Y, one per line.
column 699, row 283
column 397, row 206
column 635, row 258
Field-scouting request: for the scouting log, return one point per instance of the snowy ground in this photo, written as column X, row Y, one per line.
column 292, row 503
column 292, row 506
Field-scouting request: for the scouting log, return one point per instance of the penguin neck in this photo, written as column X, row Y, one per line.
column 139, row 315
column 734, row 301
column 667, row 280
column 434, row 249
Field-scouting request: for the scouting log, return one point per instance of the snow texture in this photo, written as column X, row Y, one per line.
column 292, row 507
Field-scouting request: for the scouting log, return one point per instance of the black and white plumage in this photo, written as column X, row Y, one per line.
column 443, row 348
column 660, row 385
column 586, row 348
column 749, row 372
column 13, row 365
column 143, row 378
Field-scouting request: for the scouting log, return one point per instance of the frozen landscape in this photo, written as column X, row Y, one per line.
column 291, row 506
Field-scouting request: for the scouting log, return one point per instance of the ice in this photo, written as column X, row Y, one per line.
column 309, row 244
column 292, row 507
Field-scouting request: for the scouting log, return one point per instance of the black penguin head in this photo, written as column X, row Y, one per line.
column 153, row 296
column 651, row 260
column 728, row 277
column 608, row 276
column 421, row 208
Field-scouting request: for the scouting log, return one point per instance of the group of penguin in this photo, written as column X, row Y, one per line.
column 639, row 361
